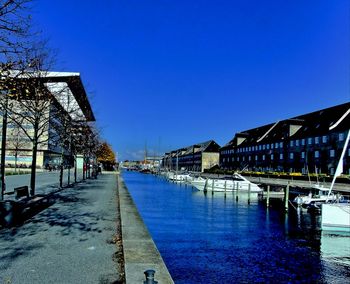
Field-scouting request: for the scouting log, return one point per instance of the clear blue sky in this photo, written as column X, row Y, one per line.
column 171, row 73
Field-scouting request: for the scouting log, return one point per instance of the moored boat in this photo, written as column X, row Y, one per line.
column 236, row 182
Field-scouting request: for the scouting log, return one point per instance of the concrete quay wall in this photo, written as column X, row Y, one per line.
column 140, row 251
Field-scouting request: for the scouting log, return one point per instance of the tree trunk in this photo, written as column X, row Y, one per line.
column 33, row 168
column 75, row 169
column 16, row 163
column 61, row 175
column 61, row 168
column 84, row 168
column 68, row 175
column 3, row 151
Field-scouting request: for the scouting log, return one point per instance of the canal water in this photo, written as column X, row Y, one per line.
column 205, row 238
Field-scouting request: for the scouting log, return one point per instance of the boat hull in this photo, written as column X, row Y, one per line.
column 336, row 217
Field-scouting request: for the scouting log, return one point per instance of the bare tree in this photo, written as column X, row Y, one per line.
column 31, row 103
column 15, row 23
column 86, row 142
column 17, row 143
column 67, row 118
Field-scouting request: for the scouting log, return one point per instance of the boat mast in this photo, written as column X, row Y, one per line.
column 339, row 169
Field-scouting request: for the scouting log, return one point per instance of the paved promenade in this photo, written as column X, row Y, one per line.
column 72, row 241
column 44, row 180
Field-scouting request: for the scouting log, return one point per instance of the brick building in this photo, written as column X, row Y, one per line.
column 197, row 157
column 306, row 143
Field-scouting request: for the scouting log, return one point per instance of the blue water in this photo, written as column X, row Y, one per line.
column 217, row 239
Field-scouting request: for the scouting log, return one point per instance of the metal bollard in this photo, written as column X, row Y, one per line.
column 150, row 277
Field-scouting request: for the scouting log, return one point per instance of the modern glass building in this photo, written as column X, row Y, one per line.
column 69, row 97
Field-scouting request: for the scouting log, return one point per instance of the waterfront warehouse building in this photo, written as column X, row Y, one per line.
column 306, row 143
column 69, row 97
column 196, row 158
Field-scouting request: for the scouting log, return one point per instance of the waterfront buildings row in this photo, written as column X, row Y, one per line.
column 306, row 143
column 197, row 157
column 67, row 96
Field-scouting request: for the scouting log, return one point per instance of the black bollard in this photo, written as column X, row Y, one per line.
column 150, row 277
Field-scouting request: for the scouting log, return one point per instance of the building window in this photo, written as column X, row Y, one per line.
column 303, row 155
column 281, row 156
column 259, row 147
column 297, row 143
column 317, row 140
column 268, row 146
column 309, row 141
column 271, row 145
column 317, row 154
column 281, row 144
column 276, row 145
column 341, row 136
column 237, row 159
column 243, row 159
column 271, row 157
column 332, row 153
column 264, row 147
column 249, row 158
column 256, row 157
column 303, row 142
column 291, row 143
column 223, row 160
column 324, row 139
column 263, row 157
column 291, row 156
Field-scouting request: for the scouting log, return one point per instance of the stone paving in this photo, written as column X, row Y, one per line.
column 74, row 240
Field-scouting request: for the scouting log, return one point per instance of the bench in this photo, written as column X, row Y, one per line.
column 21, row 191
column 12, row 211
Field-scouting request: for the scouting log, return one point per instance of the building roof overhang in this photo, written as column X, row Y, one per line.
column 67, row 83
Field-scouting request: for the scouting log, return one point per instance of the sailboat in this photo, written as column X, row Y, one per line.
column 336, row 216
column 318, row 194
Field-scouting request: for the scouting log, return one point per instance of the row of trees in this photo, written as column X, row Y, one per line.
column 41, row 110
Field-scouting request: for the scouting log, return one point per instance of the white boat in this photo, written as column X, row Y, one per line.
column 321, row 197
column 336, row 216
column 236, row 182
column 178, row 177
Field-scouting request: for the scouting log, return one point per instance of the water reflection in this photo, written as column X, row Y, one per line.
column 203, row 235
